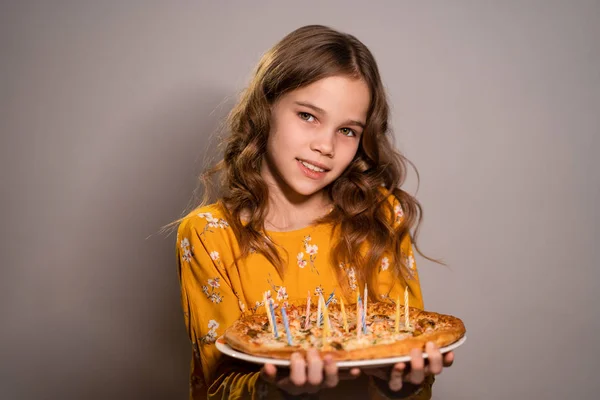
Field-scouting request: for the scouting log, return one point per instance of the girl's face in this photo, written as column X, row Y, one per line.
column 315, row 133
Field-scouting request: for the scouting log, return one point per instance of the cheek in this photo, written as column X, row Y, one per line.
column 347, row 152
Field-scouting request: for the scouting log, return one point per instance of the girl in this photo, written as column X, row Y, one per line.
column 310, row 201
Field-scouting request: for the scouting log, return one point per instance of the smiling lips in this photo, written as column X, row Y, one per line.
column 312, row 169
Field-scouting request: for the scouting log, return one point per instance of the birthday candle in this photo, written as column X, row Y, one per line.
column 406, row 323
column 268, row 311
column 358, row 318
column 274, row 320
column 307, row 320
column 286, row 324
column 344, row 315
column 319, row 319
column 365, row 310
column 326, row 321
column 398, row 314
column 330, row 298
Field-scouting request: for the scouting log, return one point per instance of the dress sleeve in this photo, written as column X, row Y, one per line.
column 393, row 285
column 392, row 282
column 209, row 307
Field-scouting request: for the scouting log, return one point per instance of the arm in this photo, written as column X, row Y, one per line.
column 209, row 307
column 391, row 285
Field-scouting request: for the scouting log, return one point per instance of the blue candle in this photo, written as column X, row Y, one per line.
column 274, row 319
column 330, row 298
column 363, row 320
column 286, row 324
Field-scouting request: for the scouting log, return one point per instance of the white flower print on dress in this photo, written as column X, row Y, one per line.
column 214, row 255
column 280, row 290
column 212, row 324
column 257, row 305
column 211, row 335
column 311, row 250
column 186, row 251
column 216, row 298
column 385, row 263
column 318, row 290
column 212, row 222
column 301, row 260
column 410, row 272
column 352, row 282
column 210, row 290
column 398, row 212
column 281, row 293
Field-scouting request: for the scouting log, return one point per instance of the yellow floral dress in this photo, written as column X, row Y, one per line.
column 217, row 288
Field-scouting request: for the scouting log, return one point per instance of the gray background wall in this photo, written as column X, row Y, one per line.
column 106, row 112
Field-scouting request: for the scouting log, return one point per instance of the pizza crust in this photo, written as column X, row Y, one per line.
column 251, row 335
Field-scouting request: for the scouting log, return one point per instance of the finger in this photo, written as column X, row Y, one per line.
column 268, row 372
column 331, row 372
column 396, row 377
column 348, row 374
column 448, row 359
column 297, row 369
column 435, row 358
column 315, row 367
column 417, row 364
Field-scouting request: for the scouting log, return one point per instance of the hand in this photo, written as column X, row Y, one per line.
column 307, row 375
column 418, row 369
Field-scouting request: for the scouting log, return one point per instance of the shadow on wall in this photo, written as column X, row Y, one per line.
column 141, row 349
column 188, row 135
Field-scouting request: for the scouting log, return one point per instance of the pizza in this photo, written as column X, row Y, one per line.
column 375, row 336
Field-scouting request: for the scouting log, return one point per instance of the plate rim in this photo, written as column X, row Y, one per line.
column 375, row 362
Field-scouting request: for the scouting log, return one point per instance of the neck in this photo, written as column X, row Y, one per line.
column 287, row 209
column 286, row 213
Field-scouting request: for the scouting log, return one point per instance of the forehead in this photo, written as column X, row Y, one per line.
column 336, row 95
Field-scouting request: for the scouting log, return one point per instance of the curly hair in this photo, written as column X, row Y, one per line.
column 360, row 195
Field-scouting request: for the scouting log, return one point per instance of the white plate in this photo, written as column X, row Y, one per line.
column 226, row 349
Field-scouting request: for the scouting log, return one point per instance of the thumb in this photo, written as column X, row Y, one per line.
column 268, row 372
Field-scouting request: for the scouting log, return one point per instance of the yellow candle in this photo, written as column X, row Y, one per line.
column 358, row 322
column 307, row 320
column 406, row 323
column 325, row 319
column 268, row 311
column 344, row 315
column 398, row 314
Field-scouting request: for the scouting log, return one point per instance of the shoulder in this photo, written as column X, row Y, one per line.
column 202, row 219
column 391, row 206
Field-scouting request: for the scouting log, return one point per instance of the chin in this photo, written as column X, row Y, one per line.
column 307, row 190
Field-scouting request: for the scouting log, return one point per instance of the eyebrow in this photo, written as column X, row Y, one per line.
column 320, row 110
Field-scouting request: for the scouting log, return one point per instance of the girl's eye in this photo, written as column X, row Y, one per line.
column 306, row 116
column 348, row 132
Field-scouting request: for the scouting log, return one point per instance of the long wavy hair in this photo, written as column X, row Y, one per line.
column 362, row 212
